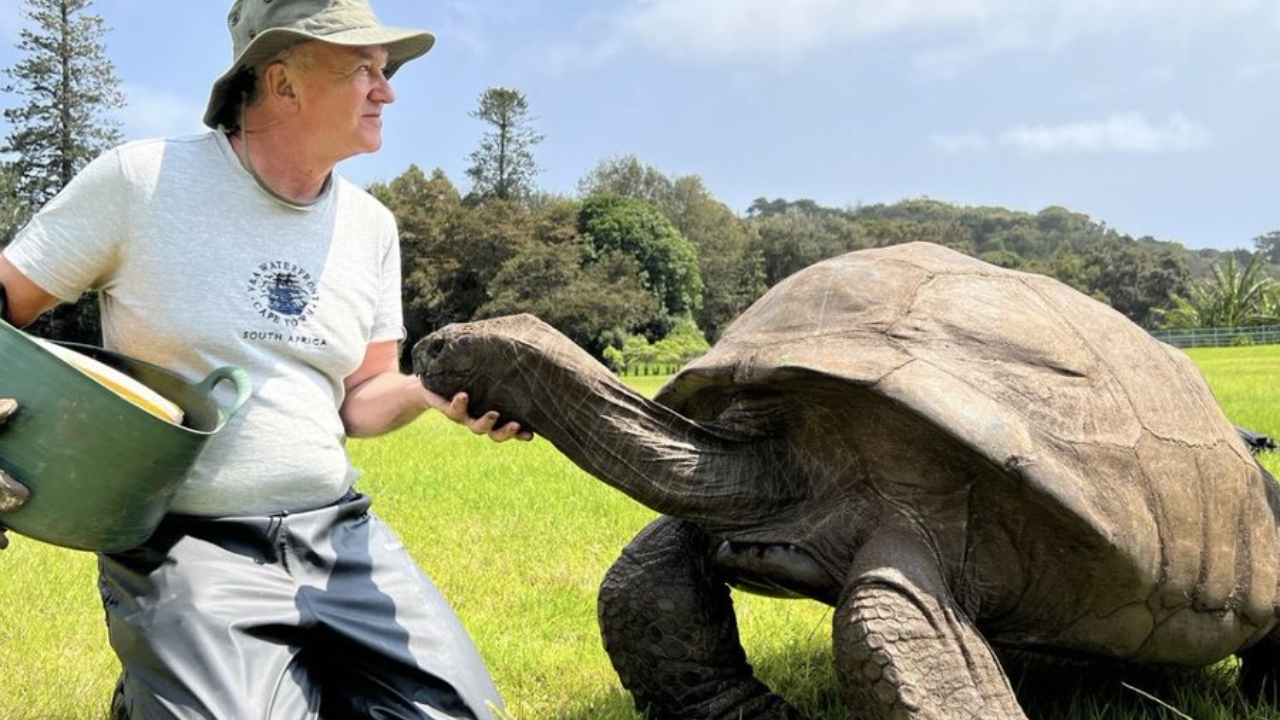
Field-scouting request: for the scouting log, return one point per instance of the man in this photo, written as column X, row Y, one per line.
column 270, row 591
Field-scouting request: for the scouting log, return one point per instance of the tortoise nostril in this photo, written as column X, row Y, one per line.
column 426, row 352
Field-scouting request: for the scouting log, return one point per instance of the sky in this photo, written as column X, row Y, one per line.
column 1159, row 118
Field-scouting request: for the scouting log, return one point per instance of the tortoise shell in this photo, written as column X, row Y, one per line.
column 1078, row 409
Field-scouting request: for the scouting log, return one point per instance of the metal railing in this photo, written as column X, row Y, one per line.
column 1220, row 337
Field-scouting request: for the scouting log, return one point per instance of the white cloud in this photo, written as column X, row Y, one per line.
column 960, row 144
column 1119, row 133
column 156, row 113
column 1263, row 71
column 959, row 32
column 728, row 30
column 467, row 25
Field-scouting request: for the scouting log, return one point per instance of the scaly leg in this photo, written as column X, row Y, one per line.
column 670, row 630
column 904, row 650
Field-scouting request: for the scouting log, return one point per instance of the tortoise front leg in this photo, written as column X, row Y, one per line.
column 670, row 630
column 904, row 650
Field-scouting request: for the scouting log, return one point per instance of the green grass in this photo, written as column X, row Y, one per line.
column 518, row 539
column 1246, row 381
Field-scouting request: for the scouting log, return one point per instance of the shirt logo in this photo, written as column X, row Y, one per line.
column 283, row 293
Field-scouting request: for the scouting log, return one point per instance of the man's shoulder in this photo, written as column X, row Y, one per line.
column 139, row 159
column 357, row 196
column 159, row 147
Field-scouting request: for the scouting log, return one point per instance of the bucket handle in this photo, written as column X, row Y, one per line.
column 244, row 388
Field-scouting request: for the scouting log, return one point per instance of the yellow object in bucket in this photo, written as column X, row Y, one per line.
column 102, row 470
column 119, row 383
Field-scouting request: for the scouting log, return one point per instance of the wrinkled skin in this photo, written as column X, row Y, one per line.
column 951, row 455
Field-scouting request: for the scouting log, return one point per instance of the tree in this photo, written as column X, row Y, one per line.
column 1269, row 245
column 668, row 262
column 503, row 166
column 589, row 303
column 1135, row 278
column 426, row 211
column 626, row 176
column 14, row 210
column 729, row 256
column 796, row 238
column 1233, row 297
column 70, row 87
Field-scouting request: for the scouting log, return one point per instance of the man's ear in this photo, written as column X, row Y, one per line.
column 278, row 82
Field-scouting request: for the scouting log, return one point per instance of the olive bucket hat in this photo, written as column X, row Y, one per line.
column 262, row 28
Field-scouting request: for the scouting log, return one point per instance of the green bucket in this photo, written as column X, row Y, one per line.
column 102, row 471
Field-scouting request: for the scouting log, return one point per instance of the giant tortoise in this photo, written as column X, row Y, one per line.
column 951, row 454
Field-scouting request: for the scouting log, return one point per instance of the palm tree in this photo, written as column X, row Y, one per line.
column 1231, row 298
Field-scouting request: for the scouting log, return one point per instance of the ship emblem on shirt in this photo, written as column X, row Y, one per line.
column 283, row 292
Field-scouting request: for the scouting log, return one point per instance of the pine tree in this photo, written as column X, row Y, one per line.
column 503, row 166
column 69, row 87
column 14, row 210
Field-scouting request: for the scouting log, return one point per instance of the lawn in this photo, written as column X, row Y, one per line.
column 519, row 539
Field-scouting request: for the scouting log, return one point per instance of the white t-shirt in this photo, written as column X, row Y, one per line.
column 199, row 267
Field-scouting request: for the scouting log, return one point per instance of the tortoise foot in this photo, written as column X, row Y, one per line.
column 670, row 631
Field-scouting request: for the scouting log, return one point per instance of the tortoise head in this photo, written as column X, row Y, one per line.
column 446, row 360
column 508, row 364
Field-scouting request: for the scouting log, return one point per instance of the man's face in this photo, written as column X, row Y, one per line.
column 341, row 93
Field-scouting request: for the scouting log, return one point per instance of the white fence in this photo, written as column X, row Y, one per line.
column 1220, row 337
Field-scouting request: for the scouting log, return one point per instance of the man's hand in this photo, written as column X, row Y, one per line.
column 456, row 410
column 12, row 493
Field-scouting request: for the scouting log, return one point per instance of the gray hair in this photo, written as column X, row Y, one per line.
column 242, row 89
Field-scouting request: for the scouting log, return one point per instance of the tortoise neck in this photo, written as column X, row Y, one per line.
column 531, row 373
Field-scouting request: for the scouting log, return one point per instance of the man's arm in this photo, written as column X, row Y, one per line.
column 23, row 299
column 379, row 399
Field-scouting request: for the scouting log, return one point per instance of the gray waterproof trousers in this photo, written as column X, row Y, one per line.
column 297, row 616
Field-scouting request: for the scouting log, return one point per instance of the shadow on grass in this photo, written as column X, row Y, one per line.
column 1048, row 688
column 1051, row 688
column 803, row 676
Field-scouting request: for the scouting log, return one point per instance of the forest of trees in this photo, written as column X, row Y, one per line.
column 640, row 267
column 637, row 251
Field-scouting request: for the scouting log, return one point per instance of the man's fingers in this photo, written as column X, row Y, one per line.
column 12, row 493
column 486, row 424
column 8, row 406
column 457, row 410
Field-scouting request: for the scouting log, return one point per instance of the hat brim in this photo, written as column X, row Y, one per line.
column 402, row 45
